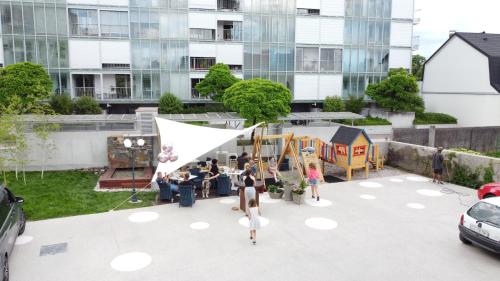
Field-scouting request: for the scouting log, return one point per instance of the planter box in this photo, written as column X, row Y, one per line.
column 299, row 198
column 287, row 192
column 398, row 119
column 275, row 195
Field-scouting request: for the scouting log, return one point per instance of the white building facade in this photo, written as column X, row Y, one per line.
column 463, row 79
column 132, row 51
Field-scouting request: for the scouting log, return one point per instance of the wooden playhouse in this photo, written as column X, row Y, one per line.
column 351, row 148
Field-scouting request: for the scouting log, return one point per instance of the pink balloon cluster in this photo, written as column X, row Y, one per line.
column 167, row 154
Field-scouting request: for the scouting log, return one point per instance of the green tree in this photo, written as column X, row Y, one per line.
column 417, row 67
column 333, row 104
column 27, row 81
column 61, row 104
column 169, row 103
column 354, row 104
column 217, row 80
column 258, row 100
column 399, row 92
column 43, row 129
column 87, row 105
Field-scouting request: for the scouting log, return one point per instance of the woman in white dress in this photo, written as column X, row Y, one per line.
column 254, row 219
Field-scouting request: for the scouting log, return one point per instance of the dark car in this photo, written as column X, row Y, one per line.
column 489, row 190
column 13, row 223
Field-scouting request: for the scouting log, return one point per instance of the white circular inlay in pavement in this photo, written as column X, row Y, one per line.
column 429, row 192
column 419, row 179
column 321, row 223
column 131, row 261
column 415, row 206
column 227, row 201
column 320, row 203
column 245, row 222
column 199, row 225
column 370, row 184
column 396, row 180
column 143, row 217
column 23, row 239
column 367, row 197
column 264, row 198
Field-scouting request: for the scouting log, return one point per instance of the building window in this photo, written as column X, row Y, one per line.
column 307, row 59
column 233, row 5
column 235, row 67
column 198, row 63
column 331, row 60
column 194, row 94
column 229, row 30
column 83, row 22
column 114, row 24
column 302, row 11
column 202, row 34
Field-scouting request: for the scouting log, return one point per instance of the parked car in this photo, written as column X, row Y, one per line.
column 480, row 225
column 13, row 222
column 489, row 190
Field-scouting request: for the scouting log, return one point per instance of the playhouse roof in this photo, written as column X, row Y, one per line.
column 347, row 135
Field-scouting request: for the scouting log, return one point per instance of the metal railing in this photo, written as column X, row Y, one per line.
column 85, row 92
column 118, row 93
column 114, row 30
column 231, row 34
column 84, row 29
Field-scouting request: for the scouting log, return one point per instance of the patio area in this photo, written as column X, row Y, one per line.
column 399, row 227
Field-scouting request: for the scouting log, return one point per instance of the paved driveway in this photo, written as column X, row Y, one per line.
column 367, row 233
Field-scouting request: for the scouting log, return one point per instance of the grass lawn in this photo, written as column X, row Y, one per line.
column 68, row 193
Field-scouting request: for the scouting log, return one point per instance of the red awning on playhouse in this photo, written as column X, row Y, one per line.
column 189, row 142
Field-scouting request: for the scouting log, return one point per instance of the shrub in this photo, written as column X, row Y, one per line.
column 463, row 176
column 216, row 107
column 170, row 104
column 61, row 104
column 423, row 118
column 489, row 173
column 87, row 105
column 333, row 104
column 354, row 104
column 368, row 121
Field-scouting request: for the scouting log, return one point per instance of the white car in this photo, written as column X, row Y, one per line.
column 480, row 225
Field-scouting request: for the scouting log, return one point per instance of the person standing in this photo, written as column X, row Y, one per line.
column 213, row 173
column 437, row 165
column 242, row 160
column 249, row 180
column 254, row 220
column 312, row 176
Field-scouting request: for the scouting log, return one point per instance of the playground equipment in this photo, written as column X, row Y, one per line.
column 351, row 146
column 288, row 149
column 375, row 158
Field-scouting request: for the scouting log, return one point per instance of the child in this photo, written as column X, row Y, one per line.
column 254, row 219
column 312, row 175
column 273, row 169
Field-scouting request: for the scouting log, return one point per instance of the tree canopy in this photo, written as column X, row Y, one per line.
column 217, row 80
column 169, row 103
column 398, row 92
column 26, row 85
column 258, row 100
column 333, row 104
column 417, row 66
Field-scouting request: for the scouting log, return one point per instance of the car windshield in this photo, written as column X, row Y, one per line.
column 485, row 212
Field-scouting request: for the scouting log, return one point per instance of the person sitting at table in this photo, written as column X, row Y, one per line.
column 187, row 181
column 242, row 160
column 213, row 172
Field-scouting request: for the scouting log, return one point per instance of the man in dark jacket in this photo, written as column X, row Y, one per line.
column 437, row 165
column 242, row 160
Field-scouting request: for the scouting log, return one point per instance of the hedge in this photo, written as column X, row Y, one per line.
column 424, row 118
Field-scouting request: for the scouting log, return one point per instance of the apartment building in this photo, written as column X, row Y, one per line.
column 131, row 51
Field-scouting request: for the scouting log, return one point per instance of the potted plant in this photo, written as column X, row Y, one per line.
column 287, row 190
column 274, row 191
column 299, row 193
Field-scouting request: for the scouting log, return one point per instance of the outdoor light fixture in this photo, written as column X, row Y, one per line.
column 139, row 144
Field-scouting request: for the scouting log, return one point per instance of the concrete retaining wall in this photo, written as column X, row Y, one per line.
column 418, row 159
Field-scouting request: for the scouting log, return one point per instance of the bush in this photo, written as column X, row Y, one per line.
column 489, row 174
column 216, row 107
column 354, row 104
column 423, row 118
column 170, row 104
column 61, row 104
column 368, row 121
column 463, row 176
column 333, row 104
column 87, row 105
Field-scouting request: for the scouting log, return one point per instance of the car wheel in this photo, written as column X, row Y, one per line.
column 22, row 222
column 489, row 195
column 6, row 269
column 462, row 238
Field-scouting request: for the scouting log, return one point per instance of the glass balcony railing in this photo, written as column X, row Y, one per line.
column 84, row 29
column 118, row 93
column 231, row 35
column 120, row 31
column 85, row 92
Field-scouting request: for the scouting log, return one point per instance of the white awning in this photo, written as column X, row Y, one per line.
column 190, row 142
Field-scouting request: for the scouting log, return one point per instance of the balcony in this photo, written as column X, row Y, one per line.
column 85, row 92
column 108, row 87
column 229, row 31
column 117, row 93
column 84, row 29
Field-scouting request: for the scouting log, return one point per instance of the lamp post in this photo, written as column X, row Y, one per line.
column 133, row 146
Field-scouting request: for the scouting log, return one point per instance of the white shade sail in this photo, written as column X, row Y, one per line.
column 190, row 142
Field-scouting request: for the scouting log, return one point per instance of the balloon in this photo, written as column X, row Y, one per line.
column 163, row 158
column 167, row 153
column 174, row 157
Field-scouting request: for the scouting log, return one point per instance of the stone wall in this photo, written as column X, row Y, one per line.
column 119, row 156
column 482, row 139
column 417, row 159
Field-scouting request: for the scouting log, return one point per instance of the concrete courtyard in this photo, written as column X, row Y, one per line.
column 391, row 228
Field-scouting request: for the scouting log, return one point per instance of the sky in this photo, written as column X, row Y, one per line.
column 438, row 17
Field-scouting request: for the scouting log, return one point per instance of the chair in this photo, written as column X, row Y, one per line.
column 233, row 163
column 223, row 185
column 166, row 192
column 187, row 195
